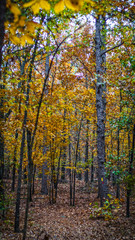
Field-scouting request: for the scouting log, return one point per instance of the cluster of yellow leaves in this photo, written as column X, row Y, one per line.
column 36, row 5
column 26, row 33
column 20, row 30
column 74, row 5
column 25, row 28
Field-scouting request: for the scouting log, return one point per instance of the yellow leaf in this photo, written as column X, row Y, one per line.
column 74, row 5
column 23, row 41
column 59, row 7
column 15, row 10
column 29, row 39
column 29, row 4
column 15, row 40
column 22, row 21
column 31, row 26
column 44, row 5
column 35, row 8
column 12, row 30
column 26, row 38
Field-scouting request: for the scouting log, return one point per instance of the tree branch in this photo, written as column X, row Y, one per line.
column 112, row 48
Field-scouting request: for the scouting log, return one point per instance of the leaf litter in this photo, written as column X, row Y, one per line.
column 61, row 221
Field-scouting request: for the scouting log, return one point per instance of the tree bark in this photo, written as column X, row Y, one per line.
column 70, row 171
column 76, row 159
column 118, row 152
column 92, row 156
column 14, row 164
column 86, row 152
column 100, row 107
column 118, row 162
column 131, row 158
column 17, row 212
column 63, row 176
column 44, row 188
column 2, row 33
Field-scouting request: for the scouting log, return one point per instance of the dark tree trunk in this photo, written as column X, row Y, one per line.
column 57, row 178
column 25, row 175
column 92, row 166
column 30, row 164
column 118, row 162
column 14, row 164
column 128, row 187
column 44, row 188
column 80, row 172
column 63, row 175
column 17, row 211
column 112, row 174
column 30, row 169
column 100, row 106
column 2, row 33
column 92, row 156
column 86, row 152
column 76, row 159
column 118, row 153
column 131, row 158
column 70, row 171
column 33, row 181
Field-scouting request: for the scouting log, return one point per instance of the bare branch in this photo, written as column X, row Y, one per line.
column 112, row 48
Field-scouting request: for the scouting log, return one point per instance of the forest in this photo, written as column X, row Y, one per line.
column 67, row 119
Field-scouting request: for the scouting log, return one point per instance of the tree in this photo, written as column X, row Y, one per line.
column 2, row 32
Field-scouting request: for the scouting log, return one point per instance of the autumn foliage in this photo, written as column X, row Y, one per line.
column 67, row 105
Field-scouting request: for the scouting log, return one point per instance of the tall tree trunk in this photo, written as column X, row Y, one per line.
column 113, row 176
column 30, row 168
column 44, row 187
column 2, row 33
column 63, row 176
column 57, row 177
column 86, row 152
column 76, row 159
column 17, row 212
column 131, row 158
column 118, row 152
column 100, row 106
column 70, row 171
column 118, row 162
column 30, row 163
column 33, row 181
column 14, row 164
column 79, row 175
column 92, row 156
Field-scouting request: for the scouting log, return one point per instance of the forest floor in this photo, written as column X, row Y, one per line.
column 63, row 222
